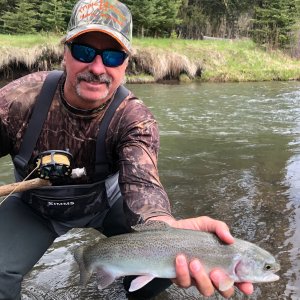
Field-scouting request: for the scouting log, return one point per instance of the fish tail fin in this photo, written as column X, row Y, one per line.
column 85, row 274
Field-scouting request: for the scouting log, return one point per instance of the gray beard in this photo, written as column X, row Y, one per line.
column 90, row 77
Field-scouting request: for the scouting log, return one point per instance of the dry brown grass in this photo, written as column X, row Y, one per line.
column 14, row 61
column 160, row 64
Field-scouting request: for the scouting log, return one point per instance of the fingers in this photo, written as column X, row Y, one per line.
column 218, row 277
column 183, row 278
column 202, row 281
column 220, row 228
column 245, row 287
column 207, row 224
column 225, row 235
column 193, row 274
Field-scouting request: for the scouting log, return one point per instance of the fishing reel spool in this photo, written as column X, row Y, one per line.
column 54, row 164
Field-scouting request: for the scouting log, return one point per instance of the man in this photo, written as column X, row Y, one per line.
column 97, row 47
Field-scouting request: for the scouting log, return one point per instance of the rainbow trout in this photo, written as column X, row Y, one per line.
column 151, row 249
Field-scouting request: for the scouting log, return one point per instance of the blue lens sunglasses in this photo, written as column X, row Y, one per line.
column 84, row 53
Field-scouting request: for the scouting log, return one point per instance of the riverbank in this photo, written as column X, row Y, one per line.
column 155, row 60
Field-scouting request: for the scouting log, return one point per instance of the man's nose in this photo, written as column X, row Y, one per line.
column 97, row 66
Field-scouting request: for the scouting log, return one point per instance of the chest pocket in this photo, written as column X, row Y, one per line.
column 64, row 203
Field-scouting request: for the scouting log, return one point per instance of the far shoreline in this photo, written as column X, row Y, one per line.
column 161, row 60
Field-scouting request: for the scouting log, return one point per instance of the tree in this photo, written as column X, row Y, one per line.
column 154, row 17
column 270, row 22
column 52, row 16
column 22, row 20
column 273, row 22
column 68, row 6
column 167, row 16
column 194, row 21
column 225, row 13
column 7, row 5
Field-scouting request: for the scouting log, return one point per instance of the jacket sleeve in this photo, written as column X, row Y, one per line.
column 5, row 142
column 16, row 101
column 137, row 147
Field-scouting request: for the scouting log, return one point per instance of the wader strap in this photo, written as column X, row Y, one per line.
column 39, row 115
column 103, row 167
column 37, row 120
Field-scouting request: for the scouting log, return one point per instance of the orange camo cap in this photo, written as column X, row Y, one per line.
column 108, row 16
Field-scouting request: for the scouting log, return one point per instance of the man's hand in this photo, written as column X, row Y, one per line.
column 193, row 273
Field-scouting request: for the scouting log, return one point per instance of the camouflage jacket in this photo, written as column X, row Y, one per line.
column 132, row 140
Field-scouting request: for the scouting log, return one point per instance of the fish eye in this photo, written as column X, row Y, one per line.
column 268, row 267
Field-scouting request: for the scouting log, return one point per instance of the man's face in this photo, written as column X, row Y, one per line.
column 88, row 85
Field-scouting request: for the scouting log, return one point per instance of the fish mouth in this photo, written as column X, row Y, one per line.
column 268, row 276
column 271, row 277
column 276, row 267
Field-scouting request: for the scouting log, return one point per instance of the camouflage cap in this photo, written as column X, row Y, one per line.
column 109, row 16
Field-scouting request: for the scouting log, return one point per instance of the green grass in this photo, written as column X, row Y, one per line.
column 221, row 60
column 28, row 40
column 231, row 60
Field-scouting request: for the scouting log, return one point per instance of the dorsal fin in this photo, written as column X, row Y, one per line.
column 151, row 226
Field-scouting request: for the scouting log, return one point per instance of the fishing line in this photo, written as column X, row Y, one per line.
column 20, row 183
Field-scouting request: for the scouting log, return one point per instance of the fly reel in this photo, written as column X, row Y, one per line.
column 54, row 164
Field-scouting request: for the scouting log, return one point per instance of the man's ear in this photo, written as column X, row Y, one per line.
column 63, row 64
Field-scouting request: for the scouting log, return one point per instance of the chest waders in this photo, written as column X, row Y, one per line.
column 69, row 202
column 19, row 252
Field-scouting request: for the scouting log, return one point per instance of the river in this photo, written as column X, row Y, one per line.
column 228, row 150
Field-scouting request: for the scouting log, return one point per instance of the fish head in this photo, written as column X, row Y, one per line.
column 256, row 265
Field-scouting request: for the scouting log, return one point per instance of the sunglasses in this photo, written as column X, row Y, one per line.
column 86, row 54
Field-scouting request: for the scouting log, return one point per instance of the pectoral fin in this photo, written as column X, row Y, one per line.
column 139, row 282
column 104, row 278
column 226, row 284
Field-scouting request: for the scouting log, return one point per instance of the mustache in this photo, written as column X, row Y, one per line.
column 90, row 77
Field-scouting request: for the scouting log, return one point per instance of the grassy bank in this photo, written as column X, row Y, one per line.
column 161, row 59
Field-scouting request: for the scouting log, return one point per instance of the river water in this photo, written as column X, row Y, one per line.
column 230, row 151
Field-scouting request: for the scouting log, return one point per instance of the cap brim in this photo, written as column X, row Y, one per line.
column 72, row 34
